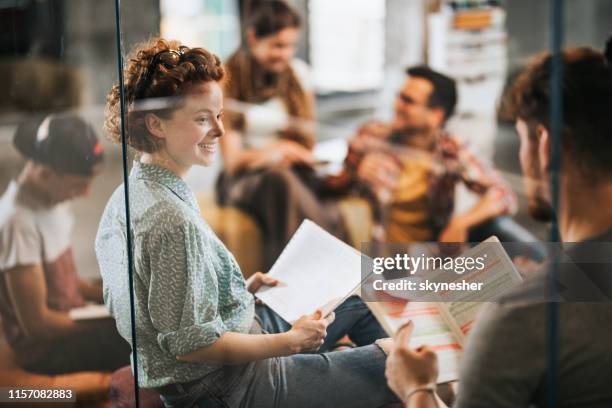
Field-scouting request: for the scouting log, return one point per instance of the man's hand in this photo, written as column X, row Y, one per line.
column 91, row 290
column 370, row 137
column 408, row 369
column 492, row 204
column 379, row 170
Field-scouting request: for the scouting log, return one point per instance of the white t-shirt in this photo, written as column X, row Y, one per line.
column 33, row 235
column 264, row 120
column 30, row 235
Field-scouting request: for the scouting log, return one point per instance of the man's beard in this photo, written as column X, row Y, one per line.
column 540, row 209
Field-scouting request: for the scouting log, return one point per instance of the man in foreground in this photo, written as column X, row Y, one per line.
column 505, row 362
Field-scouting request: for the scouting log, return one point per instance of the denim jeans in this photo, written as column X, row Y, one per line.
column 516, row 239
column 351, row 378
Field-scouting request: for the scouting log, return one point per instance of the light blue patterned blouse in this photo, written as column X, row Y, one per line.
column 188, row 287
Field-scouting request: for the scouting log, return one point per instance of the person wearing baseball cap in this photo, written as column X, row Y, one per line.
column 39, row 283
column 63, row 154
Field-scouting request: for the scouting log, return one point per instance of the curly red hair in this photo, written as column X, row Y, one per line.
column 195, row 65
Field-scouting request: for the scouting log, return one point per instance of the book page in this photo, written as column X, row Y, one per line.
column 315, row 270
column 499, row 275
column 429, row 329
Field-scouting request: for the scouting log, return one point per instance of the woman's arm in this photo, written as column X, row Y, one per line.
column 307, row 334
column 234, row 156
column 238, row 348
column 27, row 290
column 284, row 152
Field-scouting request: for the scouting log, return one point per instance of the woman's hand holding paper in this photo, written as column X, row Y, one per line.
column 309, row 331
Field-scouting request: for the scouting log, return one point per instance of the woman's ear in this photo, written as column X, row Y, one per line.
column 155, row 125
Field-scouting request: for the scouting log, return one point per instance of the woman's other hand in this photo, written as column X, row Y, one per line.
column 284, row 153
column 308, row 332
column 259, row 279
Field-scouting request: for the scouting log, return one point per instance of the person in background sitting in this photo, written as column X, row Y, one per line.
column 267, row 150
column 413, row 165
column 38, row 279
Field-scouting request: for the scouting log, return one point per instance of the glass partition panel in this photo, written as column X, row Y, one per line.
column 59, row 342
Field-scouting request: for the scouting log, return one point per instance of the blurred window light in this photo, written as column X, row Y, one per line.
column 347, row 44
column 213, row 24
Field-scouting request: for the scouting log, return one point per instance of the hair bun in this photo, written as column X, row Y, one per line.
column 608, row 51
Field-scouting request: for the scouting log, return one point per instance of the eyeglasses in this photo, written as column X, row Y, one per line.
column 406, row 99
column 169, row 58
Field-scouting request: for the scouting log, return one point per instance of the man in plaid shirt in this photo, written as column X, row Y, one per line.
column 409, row 170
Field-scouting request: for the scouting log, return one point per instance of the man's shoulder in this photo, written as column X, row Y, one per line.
column 16, row 220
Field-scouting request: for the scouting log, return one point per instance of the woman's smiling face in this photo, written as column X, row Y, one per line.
column 191, row 134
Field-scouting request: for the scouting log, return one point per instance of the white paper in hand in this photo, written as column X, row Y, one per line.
column 315, row 270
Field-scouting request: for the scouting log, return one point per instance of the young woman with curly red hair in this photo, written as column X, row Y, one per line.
column 201, row 339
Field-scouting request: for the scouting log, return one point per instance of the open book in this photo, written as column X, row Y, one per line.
column 444, row 324
column 315, row 270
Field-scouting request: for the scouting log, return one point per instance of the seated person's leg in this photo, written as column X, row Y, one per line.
column 351, row 378
column 520, row 240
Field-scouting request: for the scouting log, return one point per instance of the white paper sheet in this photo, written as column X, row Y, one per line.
column 316, row 270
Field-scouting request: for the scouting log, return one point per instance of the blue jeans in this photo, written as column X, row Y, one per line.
column 515, row 238
column 352, row 378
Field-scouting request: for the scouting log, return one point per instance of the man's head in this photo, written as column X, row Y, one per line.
column 586, row 139
column 426, row 100
column 63, row 153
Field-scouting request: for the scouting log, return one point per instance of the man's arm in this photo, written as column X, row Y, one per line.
column 91, row 290
column 27, row 292
column 505, row 358
column 496, row 196
column 490, row 205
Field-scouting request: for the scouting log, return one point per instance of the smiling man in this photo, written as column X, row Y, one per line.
column 412, row 166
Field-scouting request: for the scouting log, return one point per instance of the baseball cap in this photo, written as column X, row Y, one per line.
column 64, row 142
